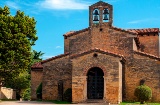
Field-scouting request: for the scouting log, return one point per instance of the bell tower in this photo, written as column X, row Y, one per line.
column 100, row 13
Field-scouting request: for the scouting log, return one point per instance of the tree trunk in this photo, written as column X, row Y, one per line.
column 142, row 102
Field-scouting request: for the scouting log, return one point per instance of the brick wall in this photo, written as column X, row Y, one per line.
column 150, row 44
column 112, row 40
column 78, row 43
column 143, row 68
column 54, row 71
column 36, row 79
column 112, row 80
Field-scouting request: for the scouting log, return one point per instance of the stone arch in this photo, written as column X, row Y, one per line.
column 94, row 65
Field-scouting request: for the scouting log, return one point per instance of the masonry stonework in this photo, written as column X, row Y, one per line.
column 101, row 62
column 36, row 79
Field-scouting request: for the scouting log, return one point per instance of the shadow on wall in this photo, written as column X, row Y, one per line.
column 7, row 93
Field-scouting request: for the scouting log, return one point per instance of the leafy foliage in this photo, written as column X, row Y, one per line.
column 68, row 95
column 143, row 93
column 26, row 94
column 39, row 91
column 17, row 34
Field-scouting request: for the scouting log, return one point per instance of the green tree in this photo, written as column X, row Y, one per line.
column 143, row 93
column 21, row 82
column 18, row 35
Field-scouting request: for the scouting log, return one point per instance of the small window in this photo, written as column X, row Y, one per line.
column 95, row 55
column 101, row 29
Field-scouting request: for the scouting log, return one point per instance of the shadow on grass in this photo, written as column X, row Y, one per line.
column 55, row 101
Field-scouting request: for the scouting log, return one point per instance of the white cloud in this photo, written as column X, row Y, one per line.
column 12, row 5
column 63, row 4
column 142, row 21
column 58, row 47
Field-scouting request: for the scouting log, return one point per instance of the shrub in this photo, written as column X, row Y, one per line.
column 143, row 93
column 39, row 91
column 68, row 95
column 26, row 95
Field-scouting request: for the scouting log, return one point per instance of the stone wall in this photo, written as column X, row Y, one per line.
column 112, row 80
column 80, row 42
column 7, row 93
column 36, row 79
column 144, row 68
column 54, row 71
column 112, row 39
column 150, row 44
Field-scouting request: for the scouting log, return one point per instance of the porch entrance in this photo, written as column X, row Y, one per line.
column 95, row 83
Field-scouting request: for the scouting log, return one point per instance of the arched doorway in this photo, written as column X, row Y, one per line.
column 95, row 83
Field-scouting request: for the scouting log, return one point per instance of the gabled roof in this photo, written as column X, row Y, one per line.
column 123, row 30
column 100, row 3
column 97, row 50
column 147, row 55
column 55, row 57
column 71, row 33
column 144, row 31
column 37, row 65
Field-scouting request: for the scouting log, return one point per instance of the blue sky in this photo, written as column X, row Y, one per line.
column 56, row 17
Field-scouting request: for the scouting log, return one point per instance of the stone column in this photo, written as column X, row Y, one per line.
column 85, row 88
column 104, row 94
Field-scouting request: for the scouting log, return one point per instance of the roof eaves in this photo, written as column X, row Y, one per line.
column 75, row 32
column 144, row 30
column 55, row 57
column 37, row 65
column 147, row 55
column 123, row 30
column 97, row 50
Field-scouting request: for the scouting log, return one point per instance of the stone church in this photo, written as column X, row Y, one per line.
column 101, row 62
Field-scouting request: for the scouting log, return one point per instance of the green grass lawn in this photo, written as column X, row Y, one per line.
column 138, row 103
column 60, row 102
column 56, row 101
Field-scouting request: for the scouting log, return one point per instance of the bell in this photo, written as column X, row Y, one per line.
column 105, row 17
column 106, row 11
column 96, row 12
column 95, row 18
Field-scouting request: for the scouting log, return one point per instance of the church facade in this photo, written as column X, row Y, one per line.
column 101, row 62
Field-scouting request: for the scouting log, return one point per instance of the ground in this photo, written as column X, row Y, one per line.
column 39, row 103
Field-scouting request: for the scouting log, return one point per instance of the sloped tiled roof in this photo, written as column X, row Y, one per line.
column 147, row 55
column 123, row 30
column 55, row 57
column 97, row 50
column 144, row 31
column 71, row 33
column 100, row 3
column 37, row 65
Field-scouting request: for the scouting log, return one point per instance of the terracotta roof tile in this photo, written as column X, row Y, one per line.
column 97, row 50
column 123, row 30
column 55, row 57
column 100, row 3
column 147, row 55
column 144, row 31
column 37, row 65
column 71, row 33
